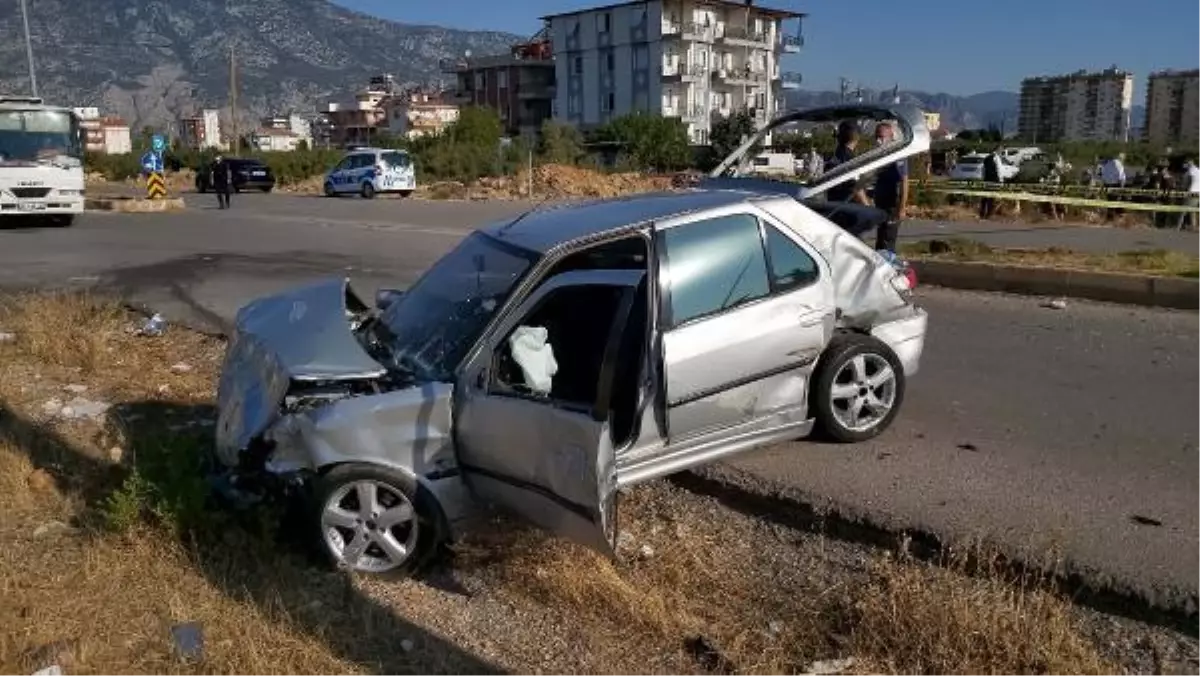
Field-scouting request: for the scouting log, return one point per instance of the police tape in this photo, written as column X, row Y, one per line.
column 1071, row 201
column 1059, row 189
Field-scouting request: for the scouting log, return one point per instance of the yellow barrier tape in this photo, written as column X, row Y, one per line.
column 1071, row 201
column 1059, row 188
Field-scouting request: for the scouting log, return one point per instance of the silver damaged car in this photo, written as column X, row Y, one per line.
column 547, row 361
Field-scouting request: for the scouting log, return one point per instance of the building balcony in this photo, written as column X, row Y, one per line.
column 790, row 44
column 687, row 72
column 736, row 35
column 690, row 115
column 688, row 30
column 739, row 77
column 535, row 92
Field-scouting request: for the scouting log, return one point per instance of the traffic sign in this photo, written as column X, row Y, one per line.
column 156, row 187
column 158, row 143
column 152, row 162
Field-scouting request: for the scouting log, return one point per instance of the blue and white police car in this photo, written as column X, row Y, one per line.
column 368, row 171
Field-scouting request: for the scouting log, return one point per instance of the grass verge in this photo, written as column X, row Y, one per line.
column 1158, row 262
column 107, row 543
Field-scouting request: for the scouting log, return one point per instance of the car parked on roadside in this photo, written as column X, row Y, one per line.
column 550, row 359
column 370, row 171
column 970, row 168
column 248, row 174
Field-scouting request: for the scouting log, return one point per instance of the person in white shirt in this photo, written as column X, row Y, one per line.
column 816, row 163
column 1112, row 175
column 1191, row 183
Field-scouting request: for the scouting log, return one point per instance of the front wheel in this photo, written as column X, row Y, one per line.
column 368, row 191
column 405, row 193
column 857, row 389
column 329, row 191
column 373, row 520
column 265, row 188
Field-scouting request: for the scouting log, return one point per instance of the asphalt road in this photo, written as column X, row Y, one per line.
column 1072, row 430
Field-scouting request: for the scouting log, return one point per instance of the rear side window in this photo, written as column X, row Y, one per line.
column 394, row 159
column 714, row 265
column 791, row 267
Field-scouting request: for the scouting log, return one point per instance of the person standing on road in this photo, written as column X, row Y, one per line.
column 991, row 174
column 891, row 192
column 1191, row 184
column 221, row 181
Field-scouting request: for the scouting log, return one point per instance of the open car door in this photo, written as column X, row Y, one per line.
column 910, row 137
column 532, row 407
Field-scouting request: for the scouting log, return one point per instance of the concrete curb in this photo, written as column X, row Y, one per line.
column 1169, row 292
column 133, row 205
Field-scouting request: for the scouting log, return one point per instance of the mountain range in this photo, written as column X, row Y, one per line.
column 155, row 61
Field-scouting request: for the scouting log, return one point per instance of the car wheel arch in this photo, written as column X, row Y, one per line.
column 424, row 486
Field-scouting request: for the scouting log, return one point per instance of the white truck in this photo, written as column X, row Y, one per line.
column 41, row 161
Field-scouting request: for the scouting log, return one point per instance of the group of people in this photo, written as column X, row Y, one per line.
column 889, row 196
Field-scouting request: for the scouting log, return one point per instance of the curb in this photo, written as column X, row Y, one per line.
column 1113, row 287
column 133, row 205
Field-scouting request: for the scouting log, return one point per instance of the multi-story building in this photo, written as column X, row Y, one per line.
column 933, row 121
column 103, row 134
column 358, row 122
column 1172, row 115
column 1081, row 106
column 419, row 114
column 202, row 131
column 294, row 124
column 697, row 60
column 519, row 85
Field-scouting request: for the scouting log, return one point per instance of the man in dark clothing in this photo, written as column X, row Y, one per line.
column 222, row 181
column 991, row 174
column 847, row 138
column 891, row 192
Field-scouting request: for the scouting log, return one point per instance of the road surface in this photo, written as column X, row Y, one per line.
column 1069, row 429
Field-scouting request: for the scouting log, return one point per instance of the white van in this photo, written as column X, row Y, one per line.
column 368, row 171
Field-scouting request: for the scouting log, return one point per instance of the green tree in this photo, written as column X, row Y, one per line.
column 730, row 132
column 560, row 143
column 649, row 142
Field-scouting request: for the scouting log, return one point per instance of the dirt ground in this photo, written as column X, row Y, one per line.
column 111, row 560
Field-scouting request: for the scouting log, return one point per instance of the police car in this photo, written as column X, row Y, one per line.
column 367, row 171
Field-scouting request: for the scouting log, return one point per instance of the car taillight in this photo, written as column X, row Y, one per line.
column 911, row 274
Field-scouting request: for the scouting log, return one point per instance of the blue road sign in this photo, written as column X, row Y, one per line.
column 158, row 143
column 152, row 162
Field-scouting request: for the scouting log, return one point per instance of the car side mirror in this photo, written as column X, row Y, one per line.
column 385, row 298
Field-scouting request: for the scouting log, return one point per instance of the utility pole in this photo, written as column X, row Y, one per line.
column 29, row 50
column 233, row 144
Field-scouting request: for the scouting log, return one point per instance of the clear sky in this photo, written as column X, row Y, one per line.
column 953, row 46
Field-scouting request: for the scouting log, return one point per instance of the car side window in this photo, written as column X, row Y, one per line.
column 714, row 265
column 344, row 164
column 791, row 266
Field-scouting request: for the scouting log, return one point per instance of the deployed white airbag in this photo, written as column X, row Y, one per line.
column 535, row 357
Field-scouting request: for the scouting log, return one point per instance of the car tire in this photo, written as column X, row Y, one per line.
column 405, row 193
column 329, row 191
column 368, row 190
column 850, row 380
column 265, row 189
column 335, row 510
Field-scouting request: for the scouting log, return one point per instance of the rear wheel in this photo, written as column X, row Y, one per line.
column 368, row 190
column 265, row 188
column 329, row 191
column 373, row 520
column 405, row 193
column 857, row 389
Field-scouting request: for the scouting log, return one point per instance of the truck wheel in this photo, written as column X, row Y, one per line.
column 857, row 388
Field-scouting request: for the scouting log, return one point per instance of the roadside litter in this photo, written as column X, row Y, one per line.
column 156, row 325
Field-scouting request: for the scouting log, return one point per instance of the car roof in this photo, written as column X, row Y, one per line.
column 544, row 228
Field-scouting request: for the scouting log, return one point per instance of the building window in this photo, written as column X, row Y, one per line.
column 641, row 57
column 479, row 80
column 605, row 22
column 609, row 62
column 573, row 107
column 501, row 79
column 612, row 101
column 577, row 65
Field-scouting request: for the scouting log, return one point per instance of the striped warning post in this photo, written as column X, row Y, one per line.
column 156, row 187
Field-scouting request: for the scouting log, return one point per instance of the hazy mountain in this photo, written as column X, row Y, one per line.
column 152, row 61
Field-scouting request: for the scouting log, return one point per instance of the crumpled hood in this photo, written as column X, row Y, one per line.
column 302, row 334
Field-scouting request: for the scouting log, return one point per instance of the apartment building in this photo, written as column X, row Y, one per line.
column 103, row 133
column 420, row 113
column 698, row 60
column 203, row 130
column 1080, row 106
column 519, row 85
column 1172, row 115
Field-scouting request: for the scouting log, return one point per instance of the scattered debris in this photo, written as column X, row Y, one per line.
column 188, row 639
column 154, row 326
column 1056, row 304
column 968, row 447
column 1144, row 520
column 708, row 655
column 75, row 389
column 646, row 552
column 52, row 407
column 181, row 367
column 58, row 654
column 116, row 454
column 50, row 528
column 834, row 666
column 774, row 627
column 406, row 645
column 7, row 337
column 76, row 409
column 164, row 389
column 52, row 670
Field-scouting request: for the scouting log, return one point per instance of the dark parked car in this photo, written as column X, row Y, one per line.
column 248, row 174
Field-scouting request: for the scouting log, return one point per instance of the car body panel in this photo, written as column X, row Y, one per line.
column 360, row 166
column 553, row 465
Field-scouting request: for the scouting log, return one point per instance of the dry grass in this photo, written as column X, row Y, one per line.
column 716, row 590
column 1151, row 262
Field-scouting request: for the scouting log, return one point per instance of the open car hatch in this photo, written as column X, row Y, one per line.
column 911, row 137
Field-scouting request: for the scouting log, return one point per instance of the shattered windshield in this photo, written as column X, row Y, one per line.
column 38, row 135
column 437, row 320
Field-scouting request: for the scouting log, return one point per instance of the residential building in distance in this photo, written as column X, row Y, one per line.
column 274, row 140
column 1081, row 106
column 519, row 85
column 1172, row 115
column 697, row 60
column 202, row 131
column 359, row 121
column 933, row 121
column 420, row 113
column 292, row 123
column 103, row 134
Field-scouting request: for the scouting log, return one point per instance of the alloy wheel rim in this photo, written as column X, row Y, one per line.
column 369, row 526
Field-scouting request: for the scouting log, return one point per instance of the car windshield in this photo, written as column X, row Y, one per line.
column 38, row 135
column 437, row 320
column 396, row 159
